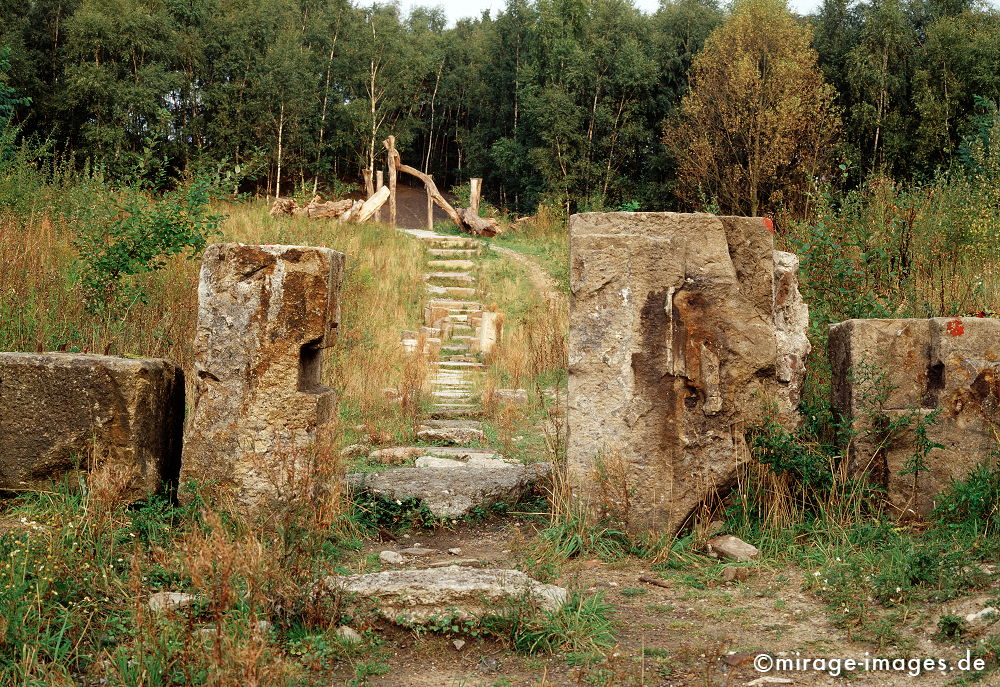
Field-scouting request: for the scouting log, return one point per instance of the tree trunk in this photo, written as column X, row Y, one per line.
column 372, row 205
column 379, row 183
column 281, row 131
column 430, row 212
column 390, row 146
column 475, row 191
column 369, row 189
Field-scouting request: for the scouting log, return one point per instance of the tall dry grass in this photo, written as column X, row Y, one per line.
column 42, row 306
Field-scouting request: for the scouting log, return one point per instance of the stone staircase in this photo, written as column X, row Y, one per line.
column 456, row 473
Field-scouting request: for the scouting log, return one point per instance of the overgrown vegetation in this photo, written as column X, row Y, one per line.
column 112, row 175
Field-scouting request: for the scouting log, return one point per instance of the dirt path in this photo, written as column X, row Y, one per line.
column 697, row 631
column 536, row 273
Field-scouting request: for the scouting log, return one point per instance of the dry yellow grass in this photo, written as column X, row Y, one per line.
column 41, row 304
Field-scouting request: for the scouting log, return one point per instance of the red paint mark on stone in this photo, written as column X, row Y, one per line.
column 955, row 327
column 769, row 224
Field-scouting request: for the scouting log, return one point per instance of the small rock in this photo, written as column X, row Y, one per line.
column 435, row 462
column 170, row 601
column 263, row 626
column 728, row 546
column 458, row 644
column 455, row 551
column 512, row 396
column 395, row 455
column 391, row 557
column 734, row 574
column 206, row 632
column 348, row 635
column 982, row 616
column 715, row 528
column 354, row 451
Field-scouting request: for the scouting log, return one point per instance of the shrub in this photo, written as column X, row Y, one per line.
column 125, row 232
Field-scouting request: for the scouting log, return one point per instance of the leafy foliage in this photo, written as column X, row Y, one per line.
column 757, row 124
column 126, row 232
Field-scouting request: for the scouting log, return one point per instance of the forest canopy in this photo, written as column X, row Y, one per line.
column 569, row 102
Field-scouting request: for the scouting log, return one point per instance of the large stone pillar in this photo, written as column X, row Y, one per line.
column 674, row 351
column 60, row 411
column 903, row 371
column 265, row 313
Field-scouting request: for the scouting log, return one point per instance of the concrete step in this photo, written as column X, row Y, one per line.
column 451, row 264
column 465, row 411
column 453, row 252
column 451, row 424
column 459, row 364
column 453, row 304
column 442, row 241
column 462, row 277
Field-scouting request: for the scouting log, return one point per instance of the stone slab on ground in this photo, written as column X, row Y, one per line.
column 452, row 435
column 451, row 424
column 59, row 411
column 453, row 492
column 419, row 597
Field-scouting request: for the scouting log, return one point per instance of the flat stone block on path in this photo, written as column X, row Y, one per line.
column 453, row 492
column 419, row 597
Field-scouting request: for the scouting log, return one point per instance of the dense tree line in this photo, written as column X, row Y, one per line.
column 566, row 101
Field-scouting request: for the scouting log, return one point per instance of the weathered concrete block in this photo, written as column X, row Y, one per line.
column 488, row 331
column 908, row 369
column 684, row 329
column 61, row 410
column 265, row 313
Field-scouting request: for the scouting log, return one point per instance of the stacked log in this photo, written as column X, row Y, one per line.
column 343, row 210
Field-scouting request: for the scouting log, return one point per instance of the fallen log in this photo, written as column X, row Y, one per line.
column 373, row 204
column 317, row 209
column 480, row 226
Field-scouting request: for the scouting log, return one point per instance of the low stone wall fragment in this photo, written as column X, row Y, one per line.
column 63, row 411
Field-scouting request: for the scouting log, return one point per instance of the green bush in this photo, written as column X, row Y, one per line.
column 124, row 232
column 972, row 504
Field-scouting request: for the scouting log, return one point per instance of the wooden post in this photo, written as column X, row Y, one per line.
column 430, row 210
column 475, row 191
column 369, row 191
column 391, row 147
column 379, row 182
